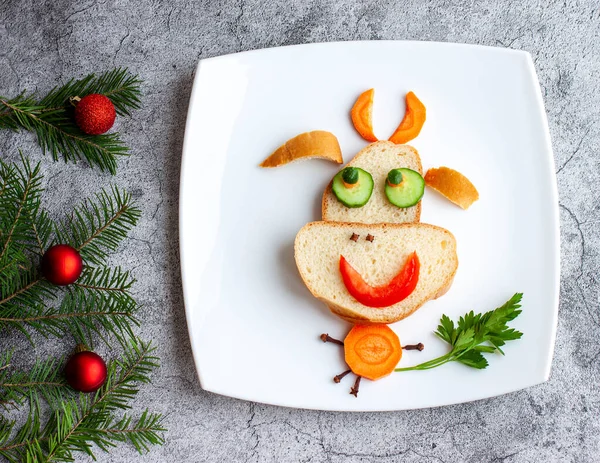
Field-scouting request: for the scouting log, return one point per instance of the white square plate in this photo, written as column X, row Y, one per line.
column 253, row 325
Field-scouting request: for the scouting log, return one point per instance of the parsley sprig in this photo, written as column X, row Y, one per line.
column 475, row 335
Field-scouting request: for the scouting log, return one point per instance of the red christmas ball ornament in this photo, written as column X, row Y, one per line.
column 95, row 114
column 62, row 264
column 85, row 371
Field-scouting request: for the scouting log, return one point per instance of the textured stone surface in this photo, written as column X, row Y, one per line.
column 42, row 45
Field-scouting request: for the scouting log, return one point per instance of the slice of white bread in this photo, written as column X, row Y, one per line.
column 319, row 245
column 378, row 159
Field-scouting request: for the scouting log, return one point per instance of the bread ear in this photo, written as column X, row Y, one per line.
column 308, row 145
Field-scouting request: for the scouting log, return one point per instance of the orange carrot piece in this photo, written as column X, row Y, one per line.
column 362, row 115
column 372, row 351
column 413, row 121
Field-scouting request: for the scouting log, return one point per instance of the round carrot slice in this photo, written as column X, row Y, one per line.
column 413, row 121
column 372, row 351
column 362, row 115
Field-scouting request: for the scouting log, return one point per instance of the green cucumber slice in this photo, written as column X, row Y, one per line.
column 410, row 190
column 356, row 196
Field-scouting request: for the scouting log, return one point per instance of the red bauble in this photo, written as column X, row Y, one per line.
column 86, row 371
column 95, row 114
column 62, row 264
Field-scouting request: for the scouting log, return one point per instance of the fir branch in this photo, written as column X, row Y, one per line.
column 44, row 379
column 98, row 226
column 40, row 231
column 58, row 134
column 53, row 122
column 19, row 201
column 98, row 305
column 5, row 359
column 8, row 175
column 107, row 283
column 78, row 426
column 20, row 283
column 122, row 87
column 11, row 265
column 100, row 302
column 15, row 450
column 144, row 432
column 20, row 192
column 6, row 428
column 83, row 315
column 24, row 292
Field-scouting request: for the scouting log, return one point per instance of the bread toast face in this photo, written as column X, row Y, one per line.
column 378, row 159
column 319, row 245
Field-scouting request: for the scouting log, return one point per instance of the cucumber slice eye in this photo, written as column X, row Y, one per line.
column 408, row 191
column 353, row 194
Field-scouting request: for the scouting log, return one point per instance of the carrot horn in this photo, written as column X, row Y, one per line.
column 413, row 121
column 362, row 115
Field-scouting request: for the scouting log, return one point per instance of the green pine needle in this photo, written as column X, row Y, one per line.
column 44, row 379
column 14, row 450
column 475, row 335
column 106, row 282
column 51, row 119
column 20, row 192
column 86, row 317
column 98, row 225
column 6, row 428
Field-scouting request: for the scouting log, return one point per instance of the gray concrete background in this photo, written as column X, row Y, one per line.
column 44, row 44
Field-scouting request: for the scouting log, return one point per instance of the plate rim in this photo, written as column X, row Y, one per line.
column 419, row 43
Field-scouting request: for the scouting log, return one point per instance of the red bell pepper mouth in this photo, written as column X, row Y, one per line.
column 398, row 289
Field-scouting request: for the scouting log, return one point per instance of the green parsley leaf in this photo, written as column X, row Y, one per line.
column 474, row 335
column 473, row 358
column 446, row 330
